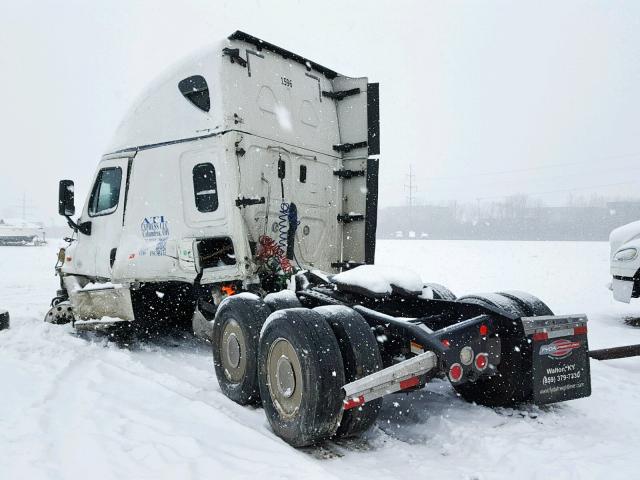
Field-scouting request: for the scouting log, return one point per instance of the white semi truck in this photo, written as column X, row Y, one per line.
column 240, row 197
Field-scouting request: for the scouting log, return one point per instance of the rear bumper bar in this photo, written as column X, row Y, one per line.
column 402, row 376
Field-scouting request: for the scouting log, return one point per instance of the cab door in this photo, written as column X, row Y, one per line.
column 105, row 210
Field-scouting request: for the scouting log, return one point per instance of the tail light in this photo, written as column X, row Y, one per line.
column 455, row 372
column 482, row 361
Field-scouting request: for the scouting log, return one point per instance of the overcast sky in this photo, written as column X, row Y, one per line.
column 482, row 98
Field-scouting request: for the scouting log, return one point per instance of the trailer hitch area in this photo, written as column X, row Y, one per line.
column 401, row 376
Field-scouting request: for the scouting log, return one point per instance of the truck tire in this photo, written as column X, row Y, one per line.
column 4, row 319
column 440, row 292
column 281, row 300
column 235, row 339
column 533, row 306
column 360, row 357
column 301, row 377
column 512, row 384
column 497, row 301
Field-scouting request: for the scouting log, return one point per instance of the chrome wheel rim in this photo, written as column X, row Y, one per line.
column 233, row 348
column 284, row 377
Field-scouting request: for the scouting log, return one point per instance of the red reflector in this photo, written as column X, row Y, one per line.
column 484, row 330
column 409, row 382
column 537, row 337
column 69, row 259
column 481, row 361
column 581, row 330
column 455, row 372
column 353, row 402
column 445, row 342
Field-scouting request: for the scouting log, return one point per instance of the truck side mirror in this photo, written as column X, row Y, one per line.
column 66, row 202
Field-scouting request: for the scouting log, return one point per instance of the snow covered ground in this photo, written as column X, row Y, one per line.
column 74, row 408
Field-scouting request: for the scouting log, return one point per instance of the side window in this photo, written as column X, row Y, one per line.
column 205, row 187
column 106, row 192
column 196, row 90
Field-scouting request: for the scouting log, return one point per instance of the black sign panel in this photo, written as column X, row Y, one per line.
column 561, row 369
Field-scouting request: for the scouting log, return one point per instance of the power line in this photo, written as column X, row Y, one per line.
column 566, row 190
column 634, row 167
column 530, row 169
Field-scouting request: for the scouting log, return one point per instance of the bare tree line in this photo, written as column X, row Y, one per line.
column 516, row 217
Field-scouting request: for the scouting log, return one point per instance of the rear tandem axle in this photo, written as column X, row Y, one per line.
column 320, row 359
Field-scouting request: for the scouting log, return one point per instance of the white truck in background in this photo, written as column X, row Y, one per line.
column 624, row 245
column 19, row 232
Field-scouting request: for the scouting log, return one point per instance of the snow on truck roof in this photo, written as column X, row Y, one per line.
column 165, row 112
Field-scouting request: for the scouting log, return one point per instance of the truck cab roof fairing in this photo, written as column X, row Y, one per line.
column 163, row 114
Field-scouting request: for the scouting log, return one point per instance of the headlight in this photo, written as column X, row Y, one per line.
column 626, row 254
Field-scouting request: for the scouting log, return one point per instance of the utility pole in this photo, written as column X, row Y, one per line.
column 22, row 207
column 411, row 187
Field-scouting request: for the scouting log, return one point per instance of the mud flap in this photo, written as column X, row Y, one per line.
column 560, row 357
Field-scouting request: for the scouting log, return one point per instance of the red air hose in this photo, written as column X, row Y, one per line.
column 270, row 249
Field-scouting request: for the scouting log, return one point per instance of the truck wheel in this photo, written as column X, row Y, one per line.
column 4, row 319
column 497, row 301
column 235, row 338
column 511, row 384
column 533, row 306
column 360, row 357
column 281, row 300
column 301, row 376
column 440, row 292
column 59, row 314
